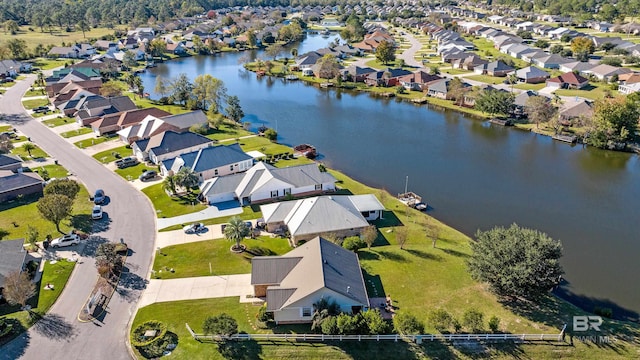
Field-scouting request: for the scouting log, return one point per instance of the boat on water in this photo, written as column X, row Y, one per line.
column 306, row 150
column 291, row 77
column 412, row 199
column 325, row 33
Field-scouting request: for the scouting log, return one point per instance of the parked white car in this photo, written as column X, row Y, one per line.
column 96, row 214
column 66, row 240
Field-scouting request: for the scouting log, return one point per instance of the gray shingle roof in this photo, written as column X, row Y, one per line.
column 11, row 181
column 320, row 264
column 185, row 121
column 9, row 159
column 12, row 257
column 214, row 157
column 170, row 141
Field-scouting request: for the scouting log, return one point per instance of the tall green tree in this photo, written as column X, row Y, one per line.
column 517, row 263
column 129, row 59
column 181, row 89
column 614, row 123
column 209, row 92
column 495, row 102
column 17, row 48
column 161, row 86
column 385, row 53
column 186, row 178
column 11, row 26
column 169, row 184
column 66, row 187
column 236, row 230
column 18, row 288
column 84, row 27
column 55, row 208
column 233, row 109
column 582, row 47
column 328, row 67
column 539, row 109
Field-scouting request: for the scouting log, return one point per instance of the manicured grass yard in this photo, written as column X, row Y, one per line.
column 192, row 259
column 133, row 172
column 57, row 36
column 524, row 86
column 35, row 92
column 95, row 141
column 227, row 131
column 170, row 206
column 25, row 213
column 48, row 64
column 54, row 171
column 72, row 133
column 106, row 156
column 454, row 71
column 19, row 139
column 55, row 274
column 33, row 103
column 487, row 79
column 35, row 153
column 59, row 121
column 594, row 91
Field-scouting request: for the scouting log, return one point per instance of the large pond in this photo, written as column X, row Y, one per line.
column 474, row 175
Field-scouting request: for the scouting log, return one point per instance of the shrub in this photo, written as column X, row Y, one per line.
column 374, row 322
column 155, row 346
column 222, row 324
column 330, row 326
column 5, row 328
column 441, row 320
column 353, row 243
column 473, row 320
column 494, row 324
column 407, row 324
column 348, row 324
column 606, row 312
column 271, row 134
column 262, row 314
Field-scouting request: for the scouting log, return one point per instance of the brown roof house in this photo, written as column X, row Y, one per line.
column 13, row 184
column 152, row 125
column 318, row 269
column 568, row 81
column 419, row 80
column 110, row 123
column 341, row 215
column 572, row 111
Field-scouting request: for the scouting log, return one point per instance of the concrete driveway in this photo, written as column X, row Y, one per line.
column 204, row 287
column 209, row 213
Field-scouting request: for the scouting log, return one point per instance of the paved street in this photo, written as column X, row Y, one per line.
column 130, row 216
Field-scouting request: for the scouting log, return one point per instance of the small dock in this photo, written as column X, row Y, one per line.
column 291, row 77
column 412, row 200
column 571, row 139
column 501, row 122
column 422, row 100
column 326, row 85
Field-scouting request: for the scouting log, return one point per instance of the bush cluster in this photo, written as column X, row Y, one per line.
column 152, row 347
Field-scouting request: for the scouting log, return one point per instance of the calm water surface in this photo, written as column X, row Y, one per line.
column 473, row 174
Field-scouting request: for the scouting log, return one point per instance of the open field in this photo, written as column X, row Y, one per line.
column 56, row 37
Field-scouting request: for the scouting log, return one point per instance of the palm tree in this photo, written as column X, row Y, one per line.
column 236, row 230
column 28, row 147
column 169, row 184
column 186, row 178
column 294, row 53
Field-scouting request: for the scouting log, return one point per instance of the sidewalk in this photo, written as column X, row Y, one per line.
column 205, row 287
column 208, row 213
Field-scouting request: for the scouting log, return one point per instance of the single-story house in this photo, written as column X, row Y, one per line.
column 12, row 256
column 319, row 269
column 152, row 125
column 572, row 110
column 605, row 72
column 495, row 68
column 552, row 61
column 13, row 184
column 210, row 161
column 627, row 89
column 532, row 75
column 10, row 162
column 169, row 144
column 469, row 62
column 578, row 66
column 264, row 183
column 356, row 73
column 569, row 80
column 340, row 215
column 110, row 123
column 520, row 101
column 91, row 108
column 419, row 80
column 11, row 68
column 388, row 77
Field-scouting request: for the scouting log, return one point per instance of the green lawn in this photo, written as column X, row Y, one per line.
column 94, row 141
column 24, row 212
column 227, row 131
column 55, row 274
column 594, row 91
column 8, row 84
column 486, row 50
column 193, row 259
column 488, row 79
column 248, row 213
column 72, row 133
column 48, row 64
column 534, row 87
column 170, row 206
column 59, row 121
column 54, row 171
column 57, row 36
column 4, row 128
column 30, row 104
column 106, row 156
column 133, row 172
column 148, row 103
column 35, row 92
column 35, row 153
column 19, row 139
column 454, row 71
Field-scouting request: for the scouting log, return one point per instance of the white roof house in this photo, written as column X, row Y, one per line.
column 343, row 215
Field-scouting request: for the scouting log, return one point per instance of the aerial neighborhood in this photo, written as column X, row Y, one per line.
column 146, row 201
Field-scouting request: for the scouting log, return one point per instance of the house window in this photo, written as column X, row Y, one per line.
column 306, row 312
column 231, row 167
column 319, row 187
column 274, row 193
column 215, row 172
column 287, row 191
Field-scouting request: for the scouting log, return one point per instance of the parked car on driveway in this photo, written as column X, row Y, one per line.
column 98, row 197
column 194, row 228
column 66, row 240
column 126, row 162
column 148, row 175
column 96, row 214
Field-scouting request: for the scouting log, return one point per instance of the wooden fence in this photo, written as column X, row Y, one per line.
column 393, row 337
